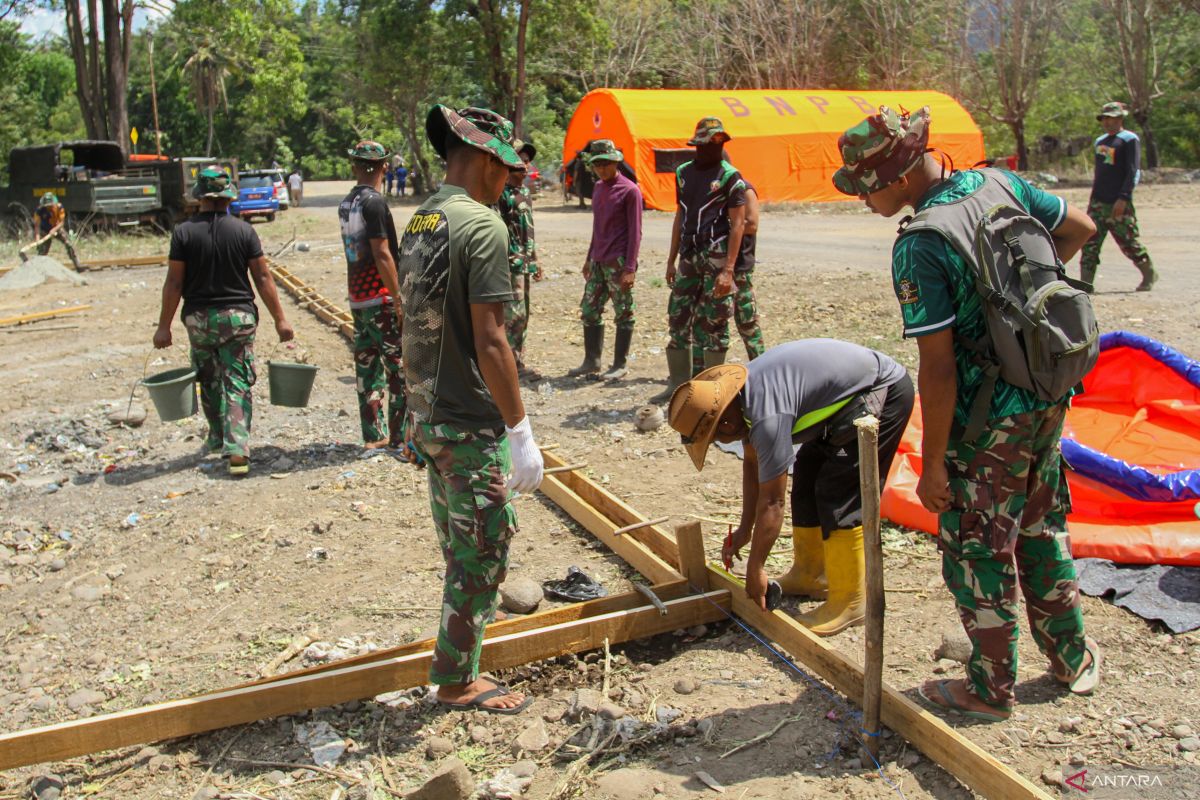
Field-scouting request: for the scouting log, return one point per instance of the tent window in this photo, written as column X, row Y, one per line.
column 669, row 160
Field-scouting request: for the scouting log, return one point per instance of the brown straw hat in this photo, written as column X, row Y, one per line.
column 696, row 407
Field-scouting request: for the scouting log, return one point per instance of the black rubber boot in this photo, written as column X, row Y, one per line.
column 618, row 369
column 593, row 345
column 679, row 366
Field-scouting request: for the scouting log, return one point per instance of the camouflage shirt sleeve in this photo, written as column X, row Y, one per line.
column 921, row 283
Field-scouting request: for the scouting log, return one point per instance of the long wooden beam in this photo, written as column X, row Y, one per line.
column 309, row 298
column 21, row 319
column 127, row 261
column 959, row 756
column 290, row 695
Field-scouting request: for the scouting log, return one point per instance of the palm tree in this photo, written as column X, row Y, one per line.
column 207, row 70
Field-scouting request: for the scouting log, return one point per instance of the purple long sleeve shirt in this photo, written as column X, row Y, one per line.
column 616, row 221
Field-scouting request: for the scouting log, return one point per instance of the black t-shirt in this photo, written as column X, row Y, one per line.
column 745, row 262
column 216, row 249
column 705, row 197
column 364, row 216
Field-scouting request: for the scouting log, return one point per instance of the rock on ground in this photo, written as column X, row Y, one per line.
column 626, row 784
column 520, row 595
column 955, row 645
column 451, row 781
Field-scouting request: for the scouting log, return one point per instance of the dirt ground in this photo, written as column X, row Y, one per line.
column 132, row 570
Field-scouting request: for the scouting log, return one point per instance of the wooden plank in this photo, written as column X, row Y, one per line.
column 955, row 753
column 134, row 261
column 868, row 479
column 21, row 319
column 555, row 616
column 295, row 694
column 661, row 543
column 627, row 546
column 692, row 563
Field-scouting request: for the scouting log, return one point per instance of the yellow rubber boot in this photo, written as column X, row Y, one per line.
column 844, row 567
column 807, row 575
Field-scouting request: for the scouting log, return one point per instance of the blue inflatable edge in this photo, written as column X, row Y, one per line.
column 1130, row 479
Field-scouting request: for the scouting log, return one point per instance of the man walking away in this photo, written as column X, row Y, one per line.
column 52, row 224
column 401, row 177
column 994, row 476
column 464, row 400
column 369, row 237
column 207, row 267
column 610, row 267
column 1118, row 170
column 516, row 209
column 706, row 238
column 296, row 187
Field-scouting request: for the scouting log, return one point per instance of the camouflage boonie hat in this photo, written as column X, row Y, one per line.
column 214, row 182
column 48, row 199
column 1113, row 109
column 481, row 128
column 367, row 150
column 603, row 150
column 707, row 130
column 880, row 150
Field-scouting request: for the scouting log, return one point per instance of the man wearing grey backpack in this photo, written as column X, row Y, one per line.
column 995, row 380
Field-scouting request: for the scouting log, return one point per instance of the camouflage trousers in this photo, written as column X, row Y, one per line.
column 1124, row 231
column 693, row 312
column 475, row 523
column 222, row 342
column 1007, row 526
column 745, row 316
column 603, row 284
column 379, row 371
column 516, row 316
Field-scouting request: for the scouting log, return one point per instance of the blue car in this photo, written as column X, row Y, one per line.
column 257, row 197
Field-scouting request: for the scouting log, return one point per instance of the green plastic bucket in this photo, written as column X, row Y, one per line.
column 291, row 383
column 173, row 393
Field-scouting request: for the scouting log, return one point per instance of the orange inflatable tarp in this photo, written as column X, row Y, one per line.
column 784, row 141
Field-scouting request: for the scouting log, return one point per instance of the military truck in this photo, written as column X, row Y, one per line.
column 91, row 179
column 177, row 176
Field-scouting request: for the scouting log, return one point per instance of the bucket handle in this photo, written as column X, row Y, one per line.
column 137, row 383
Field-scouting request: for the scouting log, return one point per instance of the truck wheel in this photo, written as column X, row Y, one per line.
column 270, row 217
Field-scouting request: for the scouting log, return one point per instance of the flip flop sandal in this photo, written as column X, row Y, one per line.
column 1088, row 678
column 950, row 705
column 476, row 703
column 239, row 469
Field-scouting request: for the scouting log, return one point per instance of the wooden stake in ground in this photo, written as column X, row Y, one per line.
column 692, row 564
column 868, row 478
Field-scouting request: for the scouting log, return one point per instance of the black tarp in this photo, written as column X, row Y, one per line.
column 37, row 164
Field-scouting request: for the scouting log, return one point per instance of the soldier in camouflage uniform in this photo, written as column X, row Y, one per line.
column 1002, row 497
column 516, row 209
column 207, row 267
column 464, row 403
column 369, row 240
column 706, row 238
column 1118, row 170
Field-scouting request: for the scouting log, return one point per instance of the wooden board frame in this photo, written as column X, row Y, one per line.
column 648, row 549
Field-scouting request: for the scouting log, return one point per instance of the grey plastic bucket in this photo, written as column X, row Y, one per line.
column 291, row 383
column 173, row 393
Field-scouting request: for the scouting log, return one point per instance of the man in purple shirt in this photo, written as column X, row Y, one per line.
column 611, row 263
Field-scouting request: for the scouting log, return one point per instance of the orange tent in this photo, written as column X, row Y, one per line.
column 784, row 142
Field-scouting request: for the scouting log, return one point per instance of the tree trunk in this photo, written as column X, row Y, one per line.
column 501, row 88
column 415, row 134
column 117, row 71
column 208, row 147
column 1149, row 147
column 84, row 88
column 518, row 117
column 1018, row 130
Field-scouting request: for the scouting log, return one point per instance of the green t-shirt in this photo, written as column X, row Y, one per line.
column 454, row 254
column 936, row 289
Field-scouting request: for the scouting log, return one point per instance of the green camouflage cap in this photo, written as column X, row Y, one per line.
column 707, row 130
column 214, row 182
column 49, row 199
column 481, row 128
column 880, row 150
column 603, row 150
column 368, row 150
column 1113, row 109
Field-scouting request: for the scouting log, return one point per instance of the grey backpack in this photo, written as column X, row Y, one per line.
column 1041, row 329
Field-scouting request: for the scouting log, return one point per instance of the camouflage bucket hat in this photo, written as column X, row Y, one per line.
column 49, row 199
column 707, row 130
column 479, row 127
column 367, row 150
column 880, row 150
column 214, row 182
column 603, row 150
column 1113, row 109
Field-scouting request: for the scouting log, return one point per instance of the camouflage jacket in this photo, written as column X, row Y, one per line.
column 516, row 209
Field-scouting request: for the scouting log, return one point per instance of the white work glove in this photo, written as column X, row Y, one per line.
column 527, row 462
